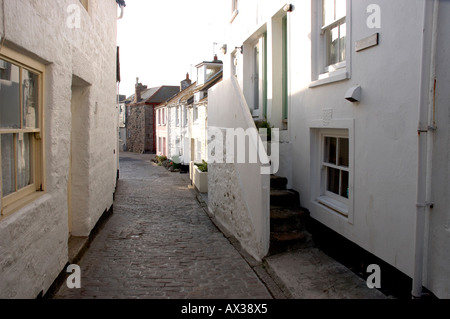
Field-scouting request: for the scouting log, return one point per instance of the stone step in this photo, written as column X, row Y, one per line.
column 278, row 182
column 284, row 198
column 286, row 219
column 286, row 241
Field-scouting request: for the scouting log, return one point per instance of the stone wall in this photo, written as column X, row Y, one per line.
column 136, row 129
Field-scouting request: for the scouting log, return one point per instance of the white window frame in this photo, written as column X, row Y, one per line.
column 234, row 9
column 328, row 198
column 322, row 73
column 324, row 203
column 16, row 200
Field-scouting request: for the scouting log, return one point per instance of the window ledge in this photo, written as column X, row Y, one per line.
column 331, row 77
column 333, row 204
column 15, row 206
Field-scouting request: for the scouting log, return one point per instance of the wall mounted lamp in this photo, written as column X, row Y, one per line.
column 241, row 48
column 224, row 49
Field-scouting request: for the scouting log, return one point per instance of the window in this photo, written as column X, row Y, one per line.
column 335, row 172
column 185, row 116
column 177, row 116
column 259, row 76
column 334, row 32
column 195, row 113
column 234, row 9
column 332, row 42
column 20, row 130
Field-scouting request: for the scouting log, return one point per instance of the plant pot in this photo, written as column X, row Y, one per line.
column 200, row 180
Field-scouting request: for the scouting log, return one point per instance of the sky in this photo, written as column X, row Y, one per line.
column 161, row 41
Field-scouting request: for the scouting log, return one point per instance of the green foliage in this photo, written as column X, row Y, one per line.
column 265, row 124
column 203, row 167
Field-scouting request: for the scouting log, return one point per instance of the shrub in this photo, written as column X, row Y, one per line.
column 203, row 167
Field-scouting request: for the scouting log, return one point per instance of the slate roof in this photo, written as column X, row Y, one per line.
column 155, row 95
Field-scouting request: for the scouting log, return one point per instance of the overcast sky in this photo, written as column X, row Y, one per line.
column 161, row 41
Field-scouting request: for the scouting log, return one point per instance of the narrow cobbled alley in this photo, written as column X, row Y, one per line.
column 160, row 243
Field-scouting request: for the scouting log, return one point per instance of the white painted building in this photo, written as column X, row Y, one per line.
column 58, row 133
column 359, row 92
column 187, row 114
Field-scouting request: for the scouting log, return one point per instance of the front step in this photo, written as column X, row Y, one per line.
column 284, row 198
column 278, row 182
column 287, row 218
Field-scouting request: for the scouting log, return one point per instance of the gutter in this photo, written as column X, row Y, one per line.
column 426, row 99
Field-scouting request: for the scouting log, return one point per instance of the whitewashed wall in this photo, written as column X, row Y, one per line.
column 33, row 240
column 382, row 126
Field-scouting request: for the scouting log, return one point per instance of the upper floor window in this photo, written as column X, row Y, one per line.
column 234, row 9
column 331, row 47
column 21, row 81
column 334, row 31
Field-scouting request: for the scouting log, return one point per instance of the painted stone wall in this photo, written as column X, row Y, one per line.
column 34, row 239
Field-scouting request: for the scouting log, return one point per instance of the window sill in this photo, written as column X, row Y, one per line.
column 330, row 77
column 333, row 204
column 15, row 206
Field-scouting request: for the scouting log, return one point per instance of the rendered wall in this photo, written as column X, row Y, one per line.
column 33, row 240
column 382, row 126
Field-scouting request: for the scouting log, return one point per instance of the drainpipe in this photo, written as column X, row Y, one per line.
column 427, row 85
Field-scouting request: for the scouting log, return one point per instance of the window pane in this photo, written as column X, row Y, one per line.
column 344, row 184
column 30, row 99
column 341, row 9
column 24, row 152
column 342, row 36
column 333, row 45
column 343, row 152
column 328, row 12
column 9, row 95
column 333, row 180
column 8, row 179
column 330, row 150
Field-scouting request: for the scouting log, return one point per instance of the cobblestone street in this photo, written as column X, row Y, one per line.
column 160, row 243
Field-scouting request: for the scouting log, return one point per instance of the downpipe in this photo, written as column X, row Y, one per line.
column 426, row 113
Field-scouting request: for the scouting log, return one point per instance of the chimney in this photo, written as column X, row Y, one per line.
column 215, row 58
column 185, row 83
column 138, row 90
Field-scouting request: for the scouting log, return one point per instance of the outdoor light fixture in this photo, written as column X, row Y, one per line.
column 241, row 48
column 224, row 49
column 288, row 8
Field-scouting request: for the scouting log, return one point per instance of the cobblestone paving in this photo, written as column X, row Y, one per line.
column 159, row 243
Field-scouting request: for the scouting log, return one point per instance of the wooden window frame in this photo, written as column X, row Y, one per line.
column 21, row 197
column 85, row 4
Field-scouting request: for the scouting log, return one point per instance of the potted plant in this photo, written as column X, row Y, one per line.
column 200, row 176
